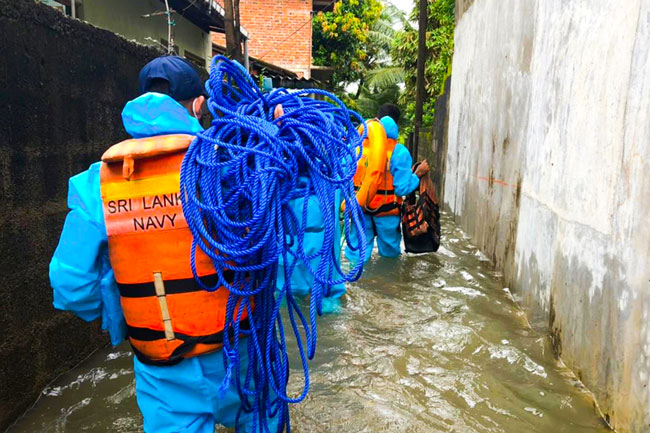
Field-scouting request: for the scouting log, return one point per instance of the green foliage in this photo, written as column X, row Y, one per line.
column 340, row 37
column 379, row 70
column 379, row 81
column 358, row 38
column 370, row 99
column 440, row 48
column 385, row 76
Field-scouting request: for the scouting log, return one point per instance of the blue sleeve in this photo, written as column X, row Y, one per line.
column 80, row 272
column 404, row 180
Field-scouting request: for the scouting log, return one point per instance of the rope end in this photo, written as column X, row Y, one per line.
column 225, row 385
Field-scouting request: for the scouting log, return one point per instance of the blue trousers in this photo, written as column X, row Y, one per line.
column 387, row 231
column 185, row 397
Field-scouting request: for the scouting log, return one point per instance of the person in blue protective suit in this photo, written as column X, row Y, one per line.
column 302, row 280
column 179, row 390
column 385, row 225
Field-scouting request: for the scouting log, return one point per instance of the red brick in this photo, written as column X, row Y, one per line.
column 269, row 25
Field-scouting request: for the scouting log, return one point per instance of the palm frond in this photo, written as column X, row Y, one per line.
column 385, row 76
column 384, row 27
column 393, row 14
column 380, row 39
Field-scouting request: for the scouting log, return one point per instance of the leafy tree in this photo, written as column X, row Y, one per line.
column 372, row 97
column 340, row 37
column 379, row 80
column 440, row 47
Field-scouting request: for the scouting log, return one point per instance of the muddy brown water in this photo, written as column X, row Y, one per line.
column 424, row 344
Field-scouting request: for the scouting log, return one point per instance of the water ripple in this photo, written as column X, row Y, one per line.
column 424, row 344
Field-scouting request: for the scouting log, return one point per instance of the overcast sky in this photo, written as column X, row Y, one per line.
column 405, row 5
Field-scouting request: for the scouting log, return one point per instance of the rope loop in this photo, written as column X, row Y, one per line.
column 238, row 179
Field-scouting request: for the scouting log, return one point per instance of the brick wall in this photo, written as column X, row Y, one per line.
column 269, row 24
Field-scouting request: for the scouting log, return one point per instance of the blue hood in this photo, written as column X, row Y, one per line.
column 391, row 128
column 157, row 114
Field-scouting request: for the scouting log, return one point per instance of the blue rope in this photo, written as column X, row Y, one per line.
column 237, row 180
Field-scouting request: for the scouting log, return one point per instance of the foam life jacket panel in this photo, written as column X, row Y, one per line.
column 372, row 180
column 371, row 166
column 385, row 202
column 168, row 315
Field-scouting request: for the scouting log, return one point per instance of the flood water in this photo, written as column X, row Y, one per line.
column 424, row 344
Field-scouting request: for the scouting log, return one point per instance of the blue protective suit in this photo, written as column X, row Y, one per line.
column 183, row 397
column 301, row 278
column 387, row 228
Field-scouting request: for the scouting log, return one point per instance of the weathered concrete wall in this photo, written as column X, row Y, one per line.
column 62, row 85
column 461, row 7
column 438, row 147
column 547, row 169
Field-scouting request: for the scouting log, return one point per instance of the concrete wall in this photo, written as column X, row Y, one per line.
column 436, row 148
column 63, row 84
column 547, row 169
column 461, row 7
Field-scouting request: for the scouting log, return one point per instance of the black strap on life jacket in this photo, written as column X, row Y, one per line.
column 380, row 191
column 189, row 342
column 185, row 285
column 381, row 209
column 387, row 207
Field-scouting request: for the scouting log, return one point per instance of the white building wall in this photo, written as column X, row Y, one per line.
column 547, row 168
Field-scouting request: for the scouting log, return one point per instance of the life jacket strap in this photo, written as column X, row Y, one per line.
column 128, row 167
column 383, row 208
column 380, row 191
column 159, row 285
column 189, row 342
column 173, row 287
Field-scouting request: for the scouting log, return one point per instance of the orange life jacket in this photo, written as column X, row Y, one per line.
column 372, row 163
column 384, row 201
column 168, row 315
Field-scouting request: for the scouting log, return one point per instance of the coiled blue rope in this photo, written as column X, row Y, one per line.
column 237, row 180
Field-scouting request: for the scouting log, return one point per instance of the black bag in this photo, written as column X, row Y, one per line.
column 421, row 219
